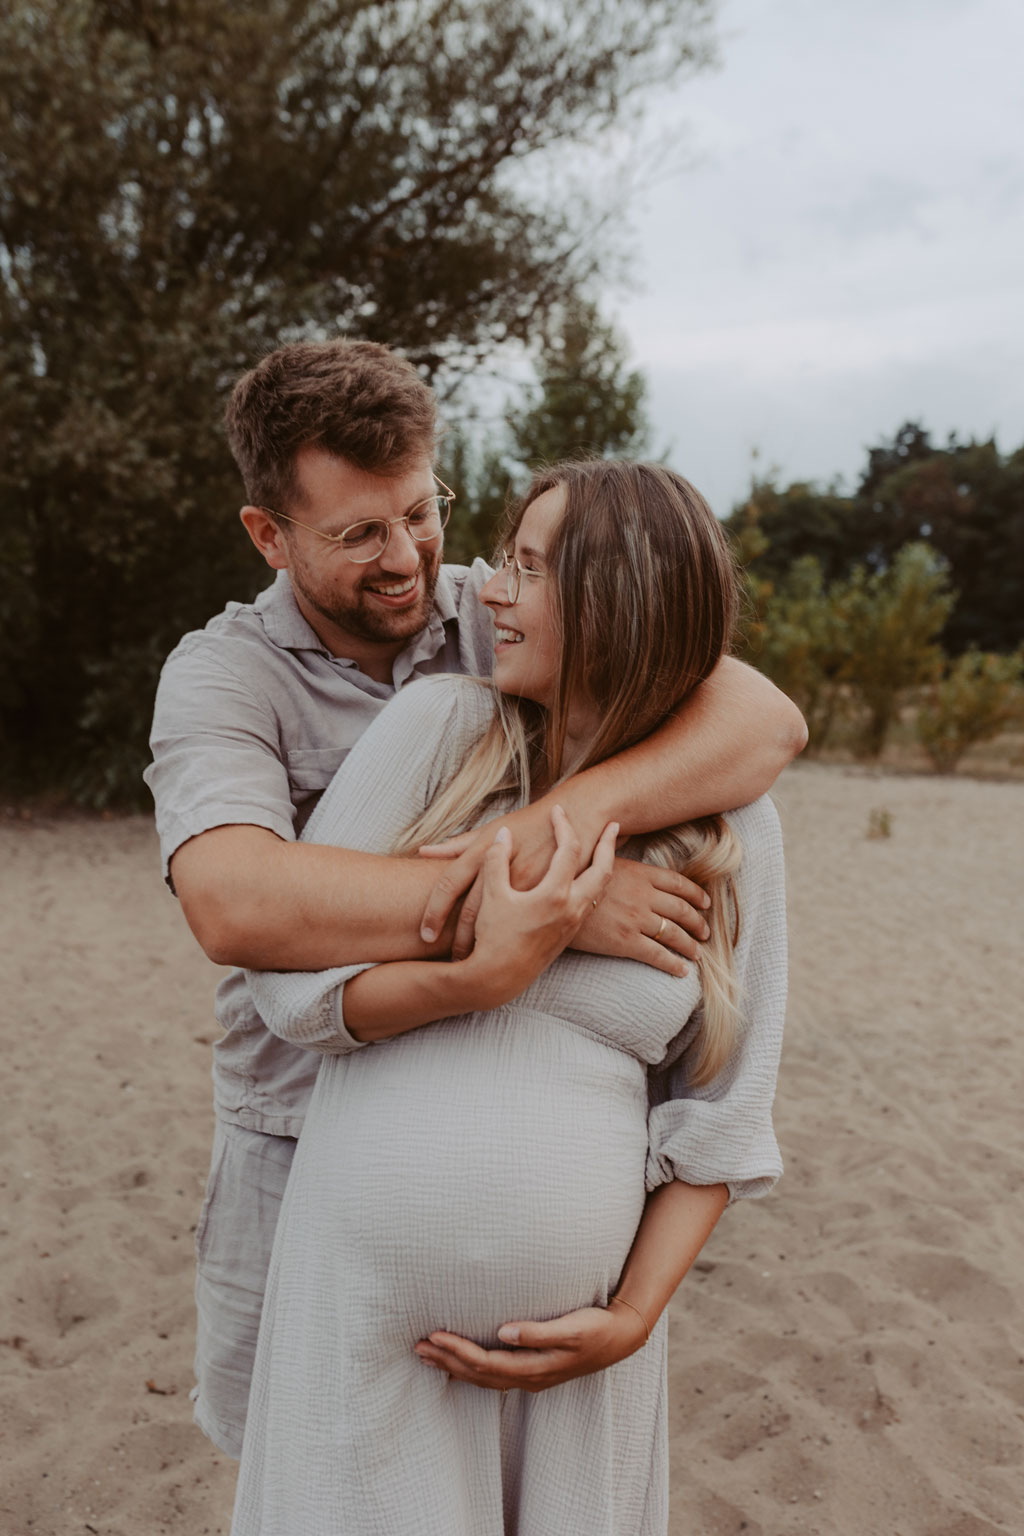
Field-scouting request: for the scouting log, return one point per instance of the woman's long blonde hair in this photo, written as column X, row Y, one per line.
column 644, row 595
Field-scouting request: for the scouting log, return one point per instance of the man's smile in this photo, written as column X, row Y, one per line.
column 395, row 592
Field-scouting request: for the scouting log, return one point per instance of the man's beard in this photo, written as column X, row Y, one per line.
column 360, row 619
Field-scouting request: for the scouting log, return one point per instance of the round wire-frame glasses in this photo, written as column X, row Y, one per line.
column 364, row 542
column 514, row 574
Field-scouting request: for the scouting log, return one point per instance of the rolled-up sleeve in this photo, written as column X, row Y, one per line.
column 216, row 754
column 306, row 1008
column 722, row 1133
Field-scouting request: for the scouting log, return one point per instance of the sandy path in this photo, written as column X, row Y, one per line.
column 847, row 1359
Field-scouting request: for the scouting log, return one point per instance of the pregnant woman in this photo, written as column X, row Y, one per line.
column 503, row 1201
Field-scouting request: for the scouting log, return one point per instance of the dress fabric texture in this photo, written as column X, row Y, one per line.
column 488, row 1168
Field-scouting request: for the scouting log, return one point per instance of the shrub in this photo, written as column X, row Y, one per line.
column 978, row 697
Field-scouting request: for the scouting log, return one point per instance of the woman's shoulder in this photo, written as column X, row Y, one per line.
column 759, row 830
column 446, row 701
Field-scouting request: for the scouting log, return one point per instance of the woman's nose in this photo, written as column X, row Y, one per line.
column 494, row 592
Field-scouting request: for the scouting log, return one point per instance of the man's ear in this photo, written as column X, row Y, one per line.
column 268, row 536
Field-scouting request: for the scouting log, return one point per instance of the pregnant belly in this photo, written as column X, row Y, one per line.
column 475, row 1172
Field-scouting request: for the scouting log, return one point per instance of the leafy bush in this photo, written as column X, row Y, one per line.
column 891, row 620
column 978, row 697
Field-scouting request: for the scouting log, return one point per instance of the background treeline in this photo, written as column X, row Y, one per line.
column 185, row 184
column 909, row 591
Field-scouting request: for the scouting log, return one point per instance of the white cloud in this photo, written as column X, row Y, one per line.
column 846, row 251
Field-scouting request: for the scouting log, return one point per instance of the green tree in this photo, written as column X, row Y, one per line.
column 805, row 647
column 965, row 500
column 482, row 474
column 797, row 520
column 183, row 185
column 586, row 400
column 978, row 697
column 891, row 621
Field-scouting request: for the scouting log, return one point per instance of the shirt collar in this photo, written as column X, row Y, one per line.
column 283, row 621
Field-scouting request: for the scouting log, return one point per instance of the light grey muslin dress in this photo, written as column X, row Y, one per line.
column 486, row 1168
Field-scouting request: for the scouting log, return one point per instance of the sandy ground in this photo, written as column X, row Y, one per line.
column 846, row 1359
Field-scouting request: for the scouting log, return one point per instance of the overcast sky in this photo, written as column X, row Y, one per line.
column 844, row 249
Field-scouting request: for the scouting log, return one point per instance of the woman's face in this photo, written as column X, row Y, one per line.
column 526, row 644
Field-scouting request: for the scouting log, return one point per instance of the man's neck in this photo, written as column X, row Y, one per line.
column 376, row 658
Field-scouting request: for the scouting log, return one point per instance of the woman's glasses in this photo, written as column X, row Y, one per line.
column 514, row 573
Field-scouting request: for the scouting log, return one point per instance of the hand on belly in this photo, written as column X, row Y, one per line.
column 546, row 1354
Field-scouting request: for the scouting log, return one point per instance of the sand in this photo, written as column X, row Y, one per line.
column 847, row 1357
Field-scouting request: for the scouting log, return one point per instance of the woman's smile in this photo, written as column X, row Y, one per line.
column 526, row 632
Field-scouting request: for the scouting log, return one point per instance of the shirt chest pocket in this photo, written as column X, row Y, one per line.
column 310, row 770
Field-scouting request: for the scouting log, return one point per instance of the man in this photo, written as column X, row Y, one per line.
column 255, row 713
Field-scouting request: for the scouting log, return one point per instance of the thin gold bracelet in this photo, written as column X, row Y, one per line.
column 639, row 1314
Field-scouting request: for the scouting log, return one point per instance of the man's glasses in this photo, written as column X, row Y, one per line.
column 363, row 542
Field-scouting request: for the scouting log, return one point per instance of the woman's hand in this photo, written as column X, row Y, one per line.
column 546, row 1354
column 519, row 933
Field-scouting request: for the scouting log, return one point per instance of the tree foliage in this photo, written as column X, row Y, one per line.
column 978, row 696
column 853, row 647
column 966, row 501
column 891, row 621
column 803, row 644
column 184, row 184
column 586, row 400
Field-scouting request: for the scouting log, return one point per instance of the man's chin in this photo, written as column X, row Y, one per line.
column 395, row 624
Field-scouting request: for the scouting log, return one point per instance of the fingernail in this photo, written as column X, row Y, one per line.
column 707, row 900
column 509, row 1333
column 503, row 835
column 428, row 935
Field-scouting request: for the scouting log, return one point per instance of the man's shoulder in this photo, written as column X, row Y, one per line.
column 237, row 624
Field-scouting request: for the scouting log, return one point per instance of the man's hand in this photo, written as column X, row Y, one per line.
column 649, row 914
column 533, row 846
column 547, row 1354
column 627, row 922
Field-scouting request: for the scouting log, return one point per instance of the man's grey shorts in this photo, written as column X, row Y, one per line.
column 248, row 1173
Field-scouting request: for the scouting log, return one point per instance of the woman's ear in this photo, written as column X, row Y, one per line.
column 268, row 536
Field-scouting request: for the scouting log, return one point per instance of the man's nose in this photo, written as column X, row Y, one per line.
column 403, row 554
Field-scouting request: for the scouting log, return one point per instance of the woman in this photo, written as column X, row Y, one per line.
column 509, row 1162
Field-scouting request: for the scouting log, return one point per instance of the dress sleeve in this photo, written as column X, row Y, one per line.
column 388, row 778
column 722, row 1133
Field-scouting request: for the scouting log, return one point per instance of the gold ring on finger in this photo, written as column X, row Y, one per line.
column 661, row 929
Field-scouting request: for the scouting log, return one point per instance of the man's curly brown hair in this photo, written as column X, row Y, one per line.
column 355, row 399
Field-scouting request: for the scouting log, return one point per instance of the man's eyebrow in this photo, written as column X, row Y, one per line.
column 531, row 553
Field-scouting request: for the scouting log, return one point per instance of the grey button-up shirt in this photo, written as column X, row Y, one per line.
column 253, row 717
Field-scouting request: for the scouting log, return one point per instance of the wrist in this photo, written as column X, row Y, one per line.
column 639, row 1318
column 477, row 984
column 585, row 805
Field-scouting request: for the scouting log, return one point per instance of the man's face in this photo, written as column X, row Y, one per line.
column 383, row 603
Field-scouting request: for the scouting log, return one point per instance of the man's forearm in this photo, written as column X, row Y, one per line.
column 726, row 745
column 253, row 900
